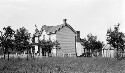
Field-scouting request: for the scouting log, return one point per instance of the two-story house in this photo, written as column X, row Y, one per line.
column 66, row 36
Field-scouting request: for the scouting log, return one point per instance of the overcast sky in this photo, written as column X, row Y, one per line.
column 86, row 16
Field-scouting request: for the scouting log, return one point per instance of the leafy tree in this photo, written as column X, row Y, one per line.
column 7, row 41
column 92, row 44
column 115, row 39
column 22, row 37
column 1, row 44
column 47, row 46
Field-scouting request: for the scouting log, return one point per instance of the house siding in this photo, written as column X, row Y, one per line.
column 66, row 38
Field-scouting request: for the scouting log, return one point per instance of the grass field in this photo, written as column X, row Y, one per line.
column 63, row 65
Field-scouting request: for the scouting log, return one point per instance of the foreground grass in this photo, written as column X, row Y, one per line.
column 63, row 65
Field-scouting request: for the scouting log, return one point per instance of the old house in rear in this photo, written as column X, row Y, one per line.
column 67, row 37
column 109, row 51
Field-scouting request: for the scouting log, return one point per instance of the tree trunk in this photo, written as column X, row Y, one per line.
column 27, row 54
column 117, row 53
column 33, row 55
column 4, row 53
column 48, row 54
column 8, row 55
column 4, row 56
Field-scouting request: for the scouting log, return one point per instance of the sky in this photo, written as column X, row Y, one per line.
column 86, row 16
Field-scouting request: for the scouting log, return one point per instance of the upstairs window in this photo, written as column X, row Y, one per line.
column 36, row 40
column 44, row 37
column 49, row 37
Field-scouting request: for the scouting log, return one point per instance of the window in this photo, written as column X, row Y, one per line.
column 36, row 39
column 44, row 37
column 49, row 37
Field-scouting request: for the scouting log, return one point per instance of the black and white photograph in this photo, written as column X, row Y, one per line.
column 62, row 36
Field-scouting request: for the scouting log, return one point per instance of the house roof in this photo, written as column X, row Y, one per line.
column 46, row 28
column 54, row 29
column 108, row 46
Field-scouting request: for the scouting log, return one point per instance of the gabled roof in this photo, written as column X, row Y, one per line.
column 54, row 29
column 46, row 28
column 108, row 46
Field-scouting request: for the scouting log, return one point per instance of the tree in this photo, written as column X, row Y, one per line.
column 1, row 44
column 91, row 43
column 47, row 46
column 7, row 41
column 115, row 39
column 22, row 37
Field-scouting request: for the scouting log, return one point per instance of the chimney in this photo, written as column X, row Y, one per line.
column 78, row 36
column 64, row 21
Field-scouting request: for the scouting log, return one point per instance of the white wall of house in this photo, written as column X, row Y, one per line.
column 103, row 53
column 54, row 51
column 112, row 53
column 52, row 37
column 36, row 40
column 44, row 34
column 36, row 49
column 79, row 48
column 106, row 53
column 82, row 50
column 109, row 53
